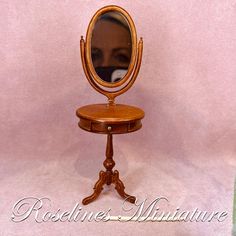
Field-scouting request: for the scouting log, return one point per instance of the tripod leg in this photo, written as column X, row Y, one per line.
column 119, row 186
column 97, row 188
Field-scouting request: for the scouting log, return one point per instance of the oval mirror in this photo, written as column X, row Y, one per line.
column 111, row 46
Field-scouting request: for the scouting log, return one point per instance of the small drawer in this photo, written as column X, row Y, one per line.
column 109, row 128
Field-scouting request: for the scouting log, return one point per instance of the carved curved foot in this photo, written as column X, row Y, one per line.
column 119, row 186
column 97, row 188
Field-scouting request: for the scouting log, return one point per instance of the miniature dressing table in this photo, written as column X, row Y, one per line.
column 111, row 59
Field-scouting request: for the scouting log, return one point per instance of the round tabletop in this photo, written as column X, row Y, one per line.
column 105, row 118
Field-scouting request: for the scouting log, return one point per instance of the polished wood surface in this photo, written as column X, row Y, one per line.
column 113, row 119
column 110, row 113
column 108, row 177
column 109, row 119
column 111, row 95
column 90, row 29
column 136, row 57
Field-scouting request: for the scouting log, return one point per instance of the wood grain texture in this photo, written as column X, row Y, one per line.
column 110, row 119
column 108, row 177
column 133, row 33
column 110, row 113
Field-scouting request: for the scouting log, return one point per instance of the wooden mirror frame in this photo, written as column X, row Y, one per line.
column 97, row 83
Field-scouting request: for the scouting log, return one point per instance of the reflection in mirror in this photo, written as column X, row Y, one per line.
column 111, row 46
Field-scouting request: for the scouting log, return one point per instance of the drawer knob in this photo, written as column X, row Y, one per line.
column 109, row 128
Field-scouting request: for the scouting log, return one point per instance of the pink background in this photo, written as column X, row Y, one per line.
column 186, row 86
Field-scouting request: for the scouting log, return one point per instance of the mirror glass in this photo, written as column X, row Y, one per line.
column 111, row 46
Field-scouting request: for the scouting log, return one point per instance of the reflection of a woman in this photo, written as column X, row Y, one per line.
column 111, row 47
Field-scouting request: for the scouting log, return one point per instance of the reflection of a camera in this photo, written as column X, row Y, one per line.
column 111, row 73
column 118, row 75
